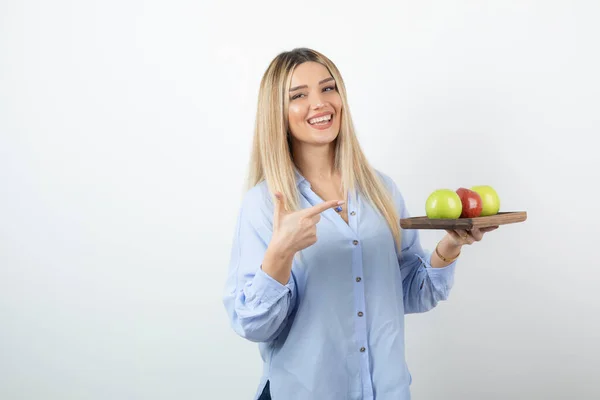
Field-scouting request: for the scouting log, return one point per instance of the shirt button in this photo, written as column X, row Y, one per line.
column 362, row 349
column 360, row 314
column 358, row 279
column 353, row 213
column 355, row 242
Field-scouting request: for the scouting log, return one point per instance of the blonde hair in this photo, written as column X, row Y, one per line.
column 271, row 157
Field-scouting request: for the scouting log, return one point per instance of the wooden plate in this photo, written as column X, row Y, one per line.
column 502, row 218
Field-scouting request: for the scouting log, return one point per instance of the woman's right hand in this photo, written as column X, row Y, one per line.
column 295, row 231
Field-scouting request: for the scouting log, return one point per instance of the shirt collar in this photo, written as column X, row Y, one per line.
column 299, row 178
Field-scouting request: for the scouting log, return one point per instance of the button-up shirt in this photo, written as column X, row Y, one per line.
column 335, row 330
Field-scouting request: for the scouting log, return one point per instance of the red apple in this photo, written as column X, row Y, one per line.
column 471, row 203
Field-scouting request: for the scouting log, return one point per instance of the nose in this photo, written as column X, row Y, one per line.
column 317, row 102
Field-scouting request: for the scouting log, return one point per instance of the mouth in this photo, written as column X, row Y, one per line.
column 321, row 121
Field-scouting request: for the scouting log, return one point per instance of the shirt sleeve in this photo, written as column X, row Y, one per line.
column 258, row 306
column 423, row 285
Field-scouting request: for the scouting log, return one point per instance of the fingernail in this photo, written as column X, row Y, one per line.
column 340, row 202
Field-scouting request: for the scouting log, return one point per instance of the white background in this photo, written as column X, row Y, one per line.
column 125, row 131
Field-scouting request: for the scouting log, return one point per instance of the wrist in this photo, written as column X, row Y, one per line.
column 449, row 249
column 278, row 253
column 278, row 264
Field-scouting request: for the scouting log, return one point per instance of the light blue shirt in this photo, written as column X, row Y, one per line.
column 335, row 331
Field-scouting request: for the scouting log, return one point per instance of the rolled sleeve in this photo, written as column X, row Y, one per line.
column 257, row 305
column 442, row 278
column 423, row 285
column 271, row 291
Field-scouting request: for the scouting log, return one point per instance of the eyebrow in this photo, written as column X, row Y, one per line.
column 305, row 86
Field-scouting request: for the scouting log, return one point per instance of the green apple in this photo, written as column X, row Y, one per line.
column 443, row 203
column 489, row 198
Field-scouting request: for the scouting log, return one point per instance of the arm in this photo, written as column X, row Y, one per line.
column 426, row 279
column 448, row 250
column 424, row 286
column 258, row 305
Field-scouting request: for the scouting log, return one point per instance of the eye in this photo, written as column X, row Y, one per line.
column 297, row 96
column 329, row 89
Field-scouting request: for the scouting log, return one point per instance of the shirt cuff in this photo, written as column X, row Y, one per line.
column 269, row 290
column 442, row 278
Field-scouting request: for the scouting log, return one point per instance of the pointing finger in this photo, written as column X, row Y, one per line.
column 319, row 208
column 315, row 219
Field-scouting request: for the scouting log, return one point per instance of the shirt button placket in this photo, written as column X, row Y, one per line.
column 359, row 309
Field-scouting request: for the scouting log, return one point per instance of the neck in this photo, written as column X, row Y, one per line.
column 315, row 162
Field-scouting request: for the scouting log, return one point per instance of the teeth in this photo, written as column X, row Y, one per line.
column 320, row 119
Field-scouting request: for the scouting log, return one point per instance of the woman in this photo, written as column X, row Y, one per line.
column 321, row 273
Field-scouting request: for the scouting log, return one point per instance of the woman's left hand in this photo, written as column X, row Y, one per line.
column 460, row 237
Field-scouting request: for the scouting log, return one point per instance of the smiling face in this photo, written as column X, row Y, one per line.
column 315, row 105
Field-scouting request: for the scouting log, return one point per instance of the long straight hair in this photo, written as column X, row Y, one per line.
column 271, row 157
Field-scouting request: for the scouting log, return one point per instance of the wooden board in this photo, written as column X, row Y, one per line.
column 502, row 218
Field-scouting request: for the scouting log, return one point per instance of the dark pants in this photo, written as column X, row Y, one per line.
column 266, row 393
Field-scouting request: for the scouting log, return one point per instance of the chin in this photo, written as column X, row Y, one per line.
column 318, row 137
column 324, row 137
